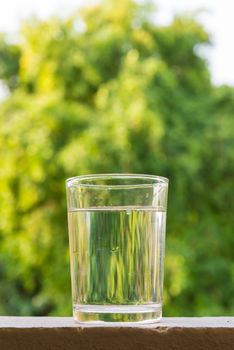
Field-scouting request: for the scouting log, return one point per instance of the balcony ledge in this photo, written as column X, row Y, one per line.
column 36, row 333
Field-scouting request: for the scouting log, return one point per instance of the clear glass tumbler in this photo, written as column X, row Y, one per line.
column 116, row 236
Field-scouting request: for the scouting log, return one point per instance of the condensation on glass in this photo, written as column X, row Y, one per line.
column 116, row 235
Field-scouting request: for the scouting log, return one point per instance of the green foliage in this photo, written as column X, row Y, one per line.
column 9, row 63
column 107, row 90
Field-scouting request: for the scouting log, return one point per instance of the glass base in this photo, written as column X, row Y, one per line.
column 126, row 314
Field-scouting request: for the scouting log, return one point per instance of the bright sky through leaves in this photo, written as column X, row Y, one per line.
column 218, row 20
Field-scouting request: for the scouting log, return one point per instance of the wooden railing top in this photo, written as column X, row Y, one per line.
column 48, row 333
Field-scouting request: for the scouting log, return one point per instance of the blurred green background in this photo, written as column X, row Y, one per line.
column 109, row 90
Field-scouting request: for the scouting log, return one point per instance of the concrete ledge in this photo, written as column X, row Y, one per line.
column 35, row 333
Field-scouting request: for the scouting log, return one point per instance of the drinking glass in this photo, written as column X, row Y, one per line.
column 116, row 237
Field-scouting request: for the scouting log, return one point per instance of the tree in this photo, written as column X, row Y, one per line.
column 108, row 90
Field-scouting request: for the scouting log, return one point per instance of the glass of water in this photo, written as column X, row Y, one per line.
column 116, row 236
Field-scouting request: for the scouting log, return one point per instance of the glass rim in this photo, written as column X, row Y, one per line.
column 108, row 176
